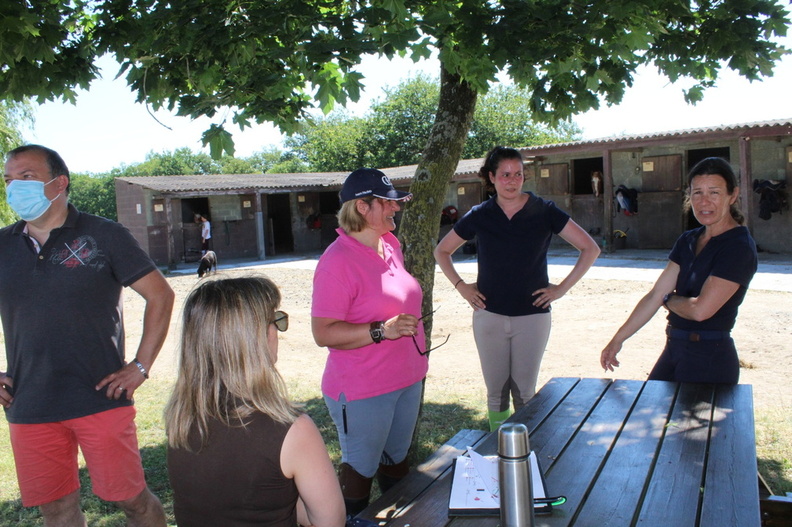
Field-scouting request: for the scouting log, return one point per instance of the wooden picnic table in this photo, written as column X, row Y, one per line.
column 646, row 453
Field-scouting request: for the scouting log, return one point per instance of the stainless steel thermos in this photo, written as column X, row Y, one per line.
column 514, row 470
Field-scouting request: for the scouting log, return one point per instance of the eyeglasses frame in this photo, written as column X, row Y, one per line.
column 415, row 341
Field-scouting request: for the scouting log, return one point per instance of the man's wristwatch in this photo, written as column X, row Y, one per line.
column 377, row 331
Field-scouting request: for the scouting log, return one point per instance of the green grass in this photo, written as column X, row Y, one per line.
column 774, row 447
column 442, row 417
column 440, row 421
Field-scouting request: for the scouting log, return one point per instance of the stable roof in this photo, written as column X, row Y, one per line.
column 318, row 181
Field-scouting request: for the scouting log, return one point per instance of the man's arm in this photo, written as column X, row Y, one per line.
column 156, row 320
column 6, row 383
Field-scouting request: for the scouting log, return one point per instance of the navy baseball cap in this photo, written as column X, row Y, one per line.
column 365, row 182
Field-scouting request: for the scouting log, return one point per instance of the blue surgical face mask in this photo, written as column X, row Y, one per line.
column 27, row 198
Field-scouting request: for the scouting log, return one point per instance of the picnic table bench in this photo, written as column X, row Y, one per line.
column 623, row 452
column 391, row 504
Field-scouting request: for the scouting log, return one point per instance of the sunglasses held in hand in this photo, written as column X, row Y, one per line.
column 415, row 341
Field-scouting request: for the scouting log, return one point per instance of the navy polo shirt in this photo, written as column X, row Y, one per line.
column 730, row 256
column 512, row 253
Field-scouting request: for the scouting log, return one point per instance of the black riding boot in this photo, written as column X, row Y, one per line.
column 389, row 475
column 355, row 488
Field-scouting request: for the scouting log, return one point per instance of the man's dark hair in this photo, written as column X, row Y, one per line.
column 54, row 160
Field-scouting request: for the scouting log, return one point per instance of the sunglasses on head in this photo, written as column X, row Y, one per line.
column 281, row 320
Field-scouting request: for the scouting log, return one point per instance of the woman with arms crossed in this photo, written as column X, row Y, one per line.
column 512, row 295
column 702, row 286
column 239, row 452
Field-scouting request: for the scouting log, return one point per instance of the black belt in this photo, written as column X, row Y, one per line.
column 696, row 336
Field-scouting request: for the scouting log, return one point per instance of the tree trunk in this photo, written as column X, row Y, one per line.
column 420, row 225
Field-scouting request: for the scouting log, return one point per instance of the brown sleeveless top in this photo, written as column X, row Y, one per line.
column 235, row 479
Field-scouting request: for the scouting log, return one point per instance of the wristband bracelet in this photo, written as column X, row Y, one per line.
column 140, row 367
column 458, row 282
column 666, row 299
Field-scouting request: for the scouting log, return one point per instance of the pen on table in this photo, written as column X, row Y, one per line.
column 558, row 500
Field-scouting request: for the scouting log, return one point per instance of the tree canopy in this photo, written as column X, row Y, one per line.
column 183, row 161
column 276, row 60
column 394, row 130
column 14, row 118
column 94, row 194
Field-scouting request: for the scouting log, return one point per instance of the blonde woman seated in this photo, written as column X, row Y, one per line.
column 239, row 452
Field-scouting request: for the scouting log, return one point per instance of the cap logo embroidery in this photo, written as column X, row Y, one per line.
column 386, row 181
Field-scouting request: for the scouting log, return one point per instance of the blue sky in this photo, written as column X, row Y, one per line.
column 106, row 128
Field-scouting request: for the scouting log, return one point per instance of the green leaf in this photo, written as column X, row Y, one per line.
column 219, row 141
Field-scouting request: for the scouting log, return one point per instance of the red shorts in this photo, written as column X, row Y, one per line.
column 46, row 457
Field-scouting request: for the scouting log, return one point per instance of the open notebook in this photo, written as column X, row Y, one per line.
column 475, row 490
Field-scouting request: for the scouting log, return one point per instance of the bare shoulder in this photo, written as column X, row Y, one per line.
column 302, row 444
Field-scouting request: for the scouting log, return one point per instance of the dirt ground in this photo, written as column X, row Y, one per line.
column 583, row 322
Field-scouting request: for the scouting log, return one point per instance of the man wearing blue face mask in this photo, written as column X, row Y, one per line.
column 68, row 385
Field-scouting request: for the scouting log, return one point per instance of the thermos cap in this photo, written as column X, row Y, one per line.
column 513, row 440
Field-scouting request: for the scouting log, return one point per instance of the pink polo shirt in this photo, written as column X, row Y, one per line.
column 352, row 283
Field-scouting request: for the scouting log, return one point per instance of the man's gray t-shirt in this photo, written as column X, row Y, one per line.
column 62, row 315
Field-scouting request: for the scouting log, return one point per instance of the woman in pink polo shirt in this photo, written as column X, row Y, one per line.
column 366, row 310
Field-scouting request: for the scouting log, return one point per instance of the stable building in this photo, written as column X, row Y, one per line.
column 652, row 169
column 252, row 215
column 626, row 191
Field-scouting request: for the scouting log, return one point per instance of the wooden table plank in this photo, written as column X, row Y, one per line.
column 392, row 503
column 546, row 402
column 553, row 434
column 542, row 405
column 536, row 411
column 431, row 510
column 619, row 487
column 731, row 494
column 629, row 453
column 550, row 436
column 673, row 491
column 488, row 521
column 580, row 461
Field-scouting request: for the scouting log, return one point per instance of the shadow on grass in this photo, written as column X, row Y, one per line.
column 438, row 423
column 774, row 474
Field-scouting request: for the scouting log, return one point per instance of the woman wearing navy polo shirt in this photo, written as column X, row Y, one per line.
column 512, row 295
column 702, row 286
